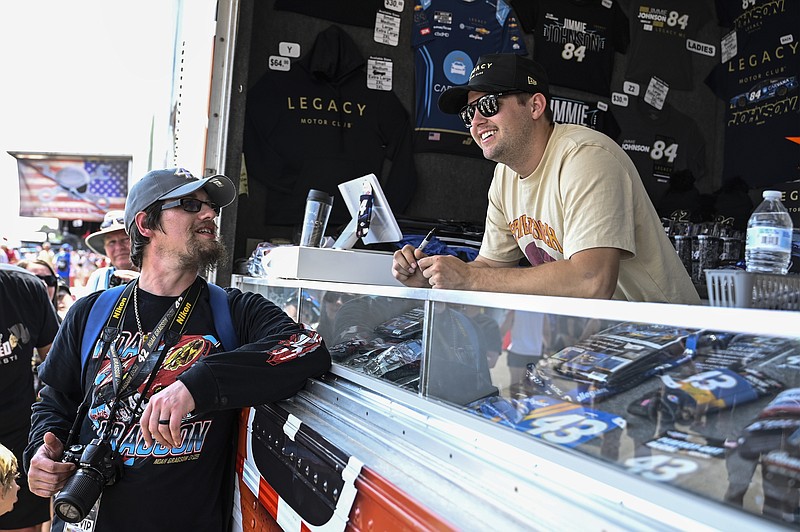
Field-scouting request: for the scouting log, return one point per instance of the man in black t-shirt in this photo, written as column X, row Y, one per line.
column 27, row 321
column 164, row 392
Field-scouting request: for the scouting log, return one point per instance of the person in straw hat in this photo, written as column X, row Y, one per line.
column 113, row 242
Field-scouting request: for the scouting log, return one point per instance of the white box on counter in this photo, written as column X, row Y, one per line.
column 328, row 264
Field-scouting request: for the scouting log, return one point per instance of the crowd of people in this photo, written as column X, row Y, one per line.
column 66, row 272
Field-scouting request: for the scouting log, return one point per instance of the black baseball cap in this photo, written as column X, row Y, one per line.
column 173, row 183
column 497, row 73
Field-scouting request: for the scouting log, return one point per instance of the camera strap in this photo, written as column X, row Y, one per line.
column 170, row 327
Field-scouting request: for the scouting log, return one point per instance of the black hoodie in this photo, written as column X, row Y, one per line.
column 319, row 125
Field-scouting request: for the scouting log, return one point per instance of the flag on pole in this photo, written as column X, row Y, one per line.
column 71, row 187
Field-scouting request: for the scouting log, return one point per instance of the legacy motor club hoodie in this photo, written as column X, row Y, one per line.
column 319, row 125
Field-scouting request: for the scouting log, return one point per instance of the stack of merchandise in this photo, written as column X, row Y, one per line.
column 611, row 361
column 726, row 370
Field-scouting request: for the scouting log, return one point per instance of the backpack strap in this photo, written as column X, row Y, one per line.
column 98, row 315
column 221, row 312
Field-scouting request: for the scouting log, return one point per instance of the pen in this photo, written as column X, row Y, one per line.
column 426, row 240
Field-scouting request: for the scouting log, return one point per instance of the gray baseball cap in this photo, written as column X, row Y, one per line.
column 173, row 183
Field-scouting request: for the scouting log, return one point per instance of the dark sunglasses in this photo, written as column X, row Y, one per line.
column 49, row 280
column 191, row 205
column 488, row 105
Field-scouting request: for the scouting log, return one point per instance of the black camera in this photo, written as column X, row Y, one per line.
column 98, row 466
column 114, row 280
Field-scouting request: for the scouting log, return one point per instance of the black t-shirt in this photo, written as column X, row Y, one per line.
column 575, row 40
column 27, row 320
column 275, row 358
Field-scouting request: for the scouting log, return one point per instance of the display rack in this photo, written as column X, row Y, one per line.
column 470, row 470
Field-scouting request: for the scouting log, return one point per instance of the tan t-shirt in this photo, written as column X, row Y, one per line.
column 585, row 193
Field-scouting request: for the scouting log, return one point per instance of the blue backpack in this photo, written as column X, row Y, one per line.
column 98, row 315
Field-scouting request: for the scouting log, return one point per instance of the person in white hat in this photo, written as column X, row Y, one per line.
column 113, row 242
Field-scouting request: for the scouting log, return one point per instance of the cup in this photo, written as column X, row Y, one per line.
column 315, row 220
column 707, row 256
column 683, row 246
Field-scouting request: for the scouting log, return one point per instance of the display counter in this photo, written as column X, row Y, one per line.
column 606, row 414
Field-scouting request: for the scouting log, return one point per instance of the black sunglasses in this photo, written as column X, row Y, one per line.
column 49, row 280
column 488, row 105
column 191, row 205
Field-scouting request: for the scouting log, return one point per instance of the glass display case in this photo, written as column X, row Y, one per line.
column 631, row 415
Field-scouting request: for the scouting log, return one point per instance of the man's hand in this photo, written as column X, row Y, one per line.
column 446, row 271
column 405, row 267
column 47, row 473
column 161, row 419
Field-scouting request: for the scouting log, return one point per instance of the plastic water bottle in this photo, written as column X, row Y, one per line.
column 769, row 236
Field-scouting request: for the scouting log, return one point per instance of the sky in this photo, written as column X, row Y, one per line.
column 86, row 77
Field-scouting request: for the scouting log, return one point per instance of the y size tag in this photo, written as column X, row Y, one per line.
column 289, row 49
column 379, row 73
column 387, row 28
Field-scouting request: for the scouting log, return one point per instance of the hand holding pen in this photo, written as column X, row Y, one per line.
column 404, row 264
column 426, row 240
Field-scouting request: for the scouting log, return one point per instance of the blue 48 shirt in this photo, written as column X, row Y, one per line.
column 448, row 37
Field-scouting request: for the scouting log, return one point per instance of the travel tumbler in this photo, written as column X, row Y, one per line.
column 318, row 208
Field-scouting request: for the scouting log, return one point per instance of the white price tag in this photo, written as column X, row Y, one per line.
column 289, row 49
column 647, row 27
column 787, row 39
column 603, row 106
column 629, row 87
column 728, row 47
column 607, row 4
column 656, row 93
column 387, row 28
column 379, row 73
column 619, row 99
column 277, row 62
column 394, row 5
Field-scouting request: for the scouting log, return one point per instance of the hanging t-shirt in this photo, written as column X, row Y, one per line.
column 659, row 29
column 448, row 37
column 596, row 115
column 760, row 89
column 660, row 143
column 318, row 125
column 576, row 40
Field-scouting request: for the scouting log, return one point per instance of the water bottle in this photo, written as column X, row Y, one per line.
column 769, row 236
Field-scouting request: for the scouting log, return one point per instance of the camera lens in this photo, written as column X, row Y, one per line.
column 81, row 491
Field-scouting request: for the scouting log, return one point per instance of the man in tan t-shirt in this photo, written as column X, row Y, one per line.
column 566, row 198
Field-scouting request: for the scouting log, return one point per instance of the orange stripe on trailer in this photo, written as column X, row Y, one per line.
column 380, row 505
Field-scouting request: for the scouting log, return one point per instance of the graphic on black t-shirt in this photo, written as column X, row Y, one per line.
column 576, row 40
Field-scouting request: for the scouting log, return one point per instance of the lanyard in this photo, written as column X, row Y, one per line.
column 171, row 327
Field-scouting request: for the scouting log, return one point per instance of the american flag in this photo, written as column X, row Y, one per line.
column 71, row 187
